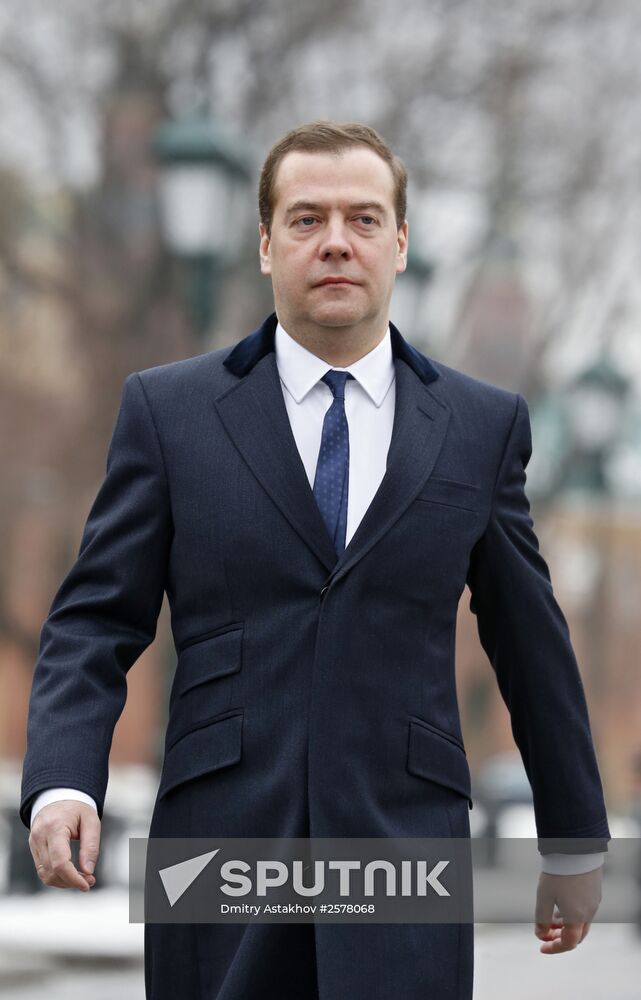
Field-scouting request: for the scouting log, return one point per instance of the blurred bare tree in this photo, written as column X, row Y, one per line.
column 527, row 112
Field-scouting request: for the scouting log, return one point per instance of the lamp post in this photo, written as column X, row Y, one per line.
column 408, row 296
column 202, row 188
column 596, row 405
column 576, row 432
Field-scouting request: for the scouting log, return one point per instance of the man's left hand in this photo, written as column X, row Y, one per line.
column 565, row 908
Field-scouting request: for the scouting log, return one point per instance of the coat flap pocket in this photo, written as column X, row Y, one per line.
column 451, row 493
column 213, row 745
column 438, row 758
column 209, row 657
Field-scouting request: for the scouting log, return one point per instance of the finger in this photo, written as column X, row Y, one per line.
column 41, row 872
column 44, row 868
column 586, row 930
column 39, row 852
column 546, row 929
column 570, row 936
column 547, row 932
column 35, row 851
column 89, row 842
column 545, row 912
column 53, row 881
column 567, row 940
column 63, row 871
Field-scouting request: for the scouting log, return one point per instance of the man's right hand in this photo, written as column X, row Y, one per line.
column 55, row 826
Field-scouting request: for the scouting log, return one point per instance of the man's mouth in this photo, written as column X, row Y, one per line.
column 334, row 281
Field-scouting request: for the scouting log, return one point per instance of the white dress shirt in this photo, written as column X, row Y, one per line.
column 369, row 408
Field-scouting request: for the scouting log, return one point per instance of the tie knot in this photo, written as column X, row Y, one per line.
column 336, row 381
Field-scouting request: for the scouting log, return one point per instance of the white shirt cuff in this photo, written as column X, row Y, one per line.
column 571, row 864
column 55, row 795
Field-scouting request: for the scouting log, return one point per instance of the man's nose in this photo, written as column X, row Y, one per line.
column 335, row 242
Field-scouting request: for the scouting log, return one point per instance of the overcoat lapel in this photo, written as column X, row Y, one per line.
column 255, row 416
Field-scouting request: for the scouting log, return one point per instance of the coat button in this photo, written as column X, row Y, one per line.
column 324, row 590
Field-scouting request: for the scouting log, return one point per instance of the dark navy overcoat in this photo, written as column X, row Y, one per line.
column 313, row 695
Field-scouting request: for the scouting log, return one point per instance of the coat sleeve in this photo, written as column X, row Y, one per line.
column 526, row 637
column 103, row 616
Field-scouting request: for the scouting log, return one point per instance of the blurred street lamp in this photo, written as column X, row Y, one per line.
column 202, row 187
column 596, row 406
column 408, row 297
column 576, row 433
column 586, row 458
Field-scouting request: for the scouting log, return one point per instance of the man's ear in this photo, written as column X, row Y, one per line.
column 401, row 255
column 265, row 255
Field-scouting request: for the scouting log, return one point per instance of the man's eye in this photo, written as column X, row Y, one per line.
column 368, row 219
column 306, row 221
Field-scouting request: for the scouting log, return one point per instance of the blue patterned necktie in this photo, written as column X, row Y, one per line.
column 331, row 482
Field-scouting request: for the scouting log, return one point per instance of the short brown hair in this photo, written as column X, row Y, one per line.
column 329, row 137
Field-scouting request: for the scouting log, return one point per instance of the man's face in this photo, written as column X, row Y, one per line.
column 334, row 249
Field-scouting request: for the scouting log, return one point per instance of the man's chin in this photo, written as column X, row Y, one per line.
column 336, row 318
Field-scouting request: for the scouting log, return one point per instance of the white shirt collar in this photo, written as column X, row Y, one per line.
column 300, row 370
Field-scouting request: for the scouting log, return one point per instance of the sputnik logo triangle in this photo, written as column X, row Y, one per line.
column 177, row 878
